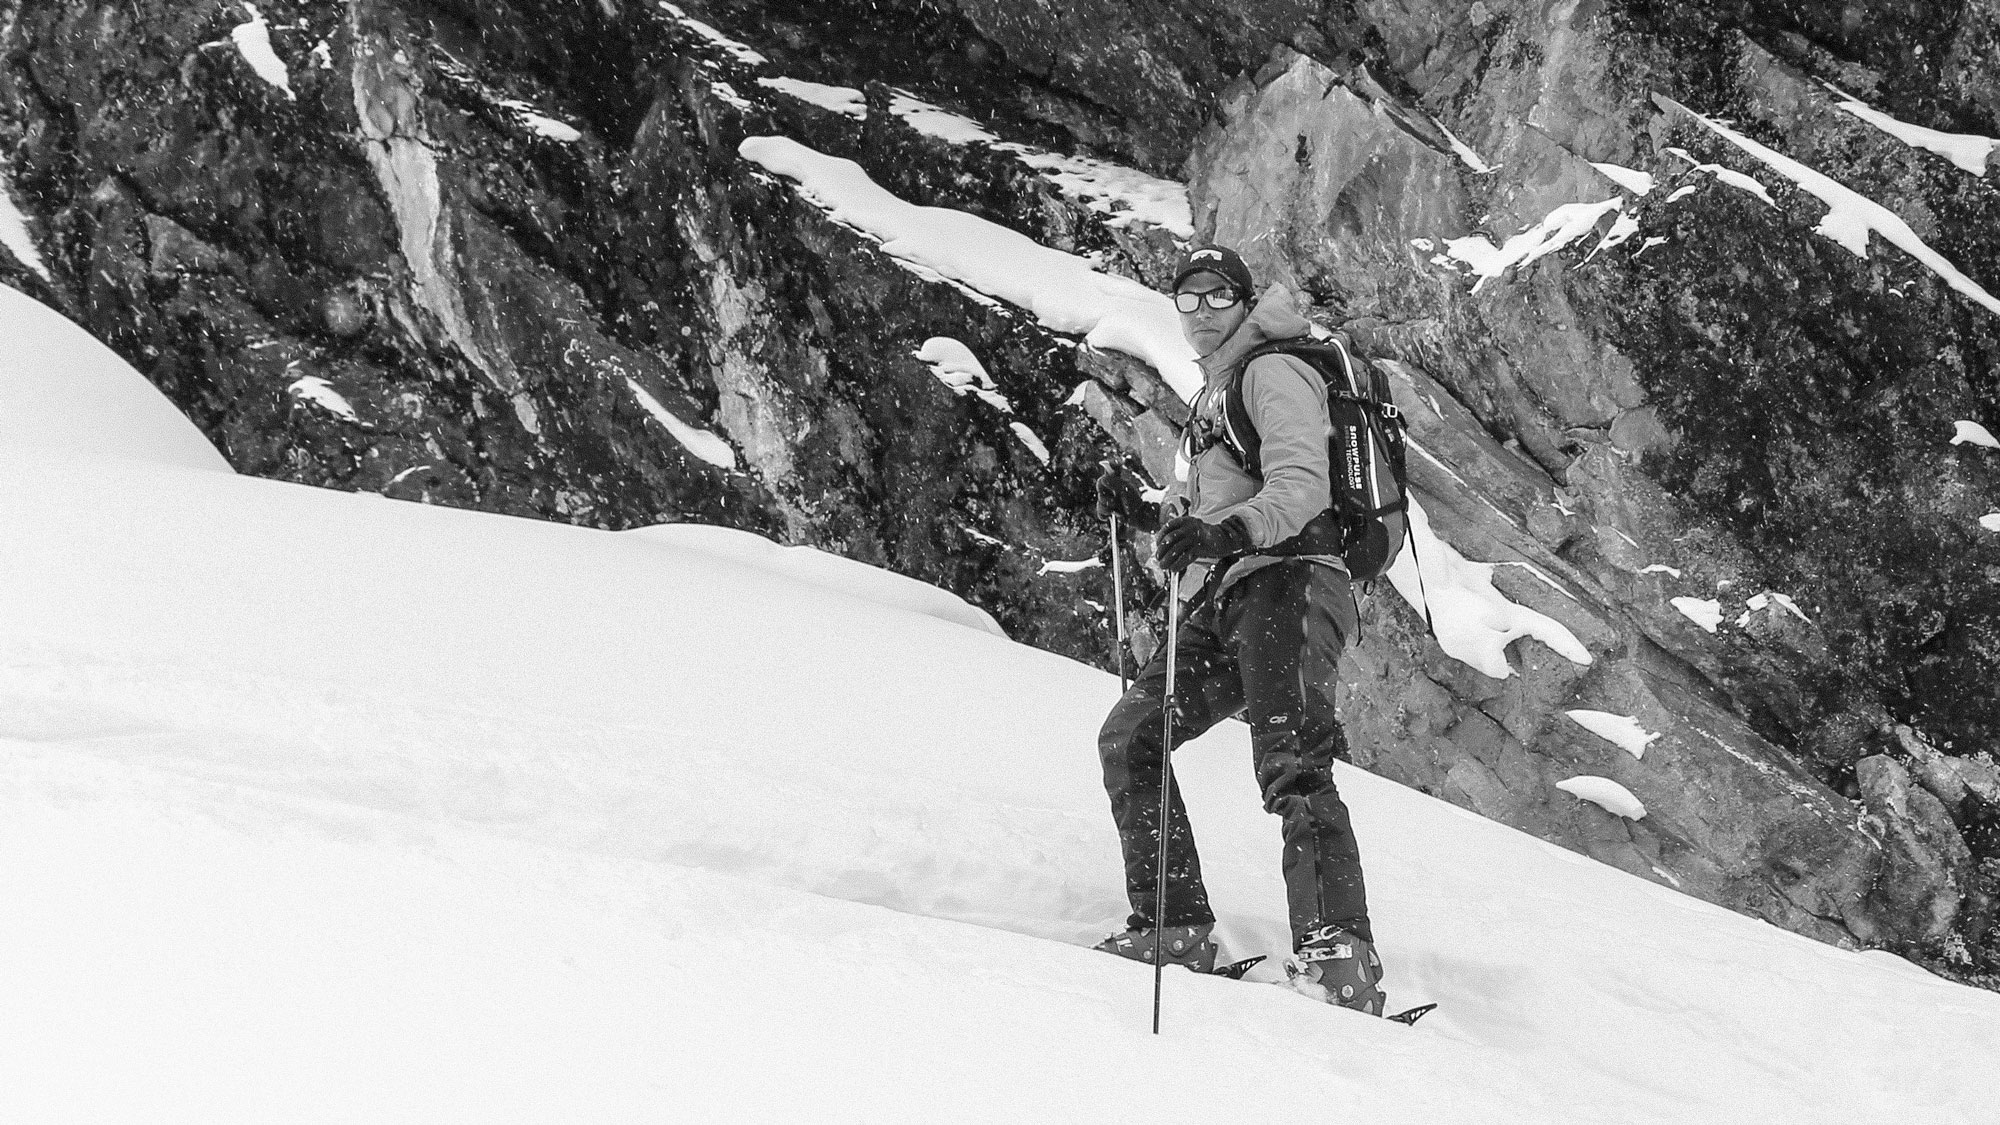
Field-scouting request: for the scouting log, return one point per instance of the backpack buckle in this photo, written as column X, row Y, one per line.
column 1390, row 411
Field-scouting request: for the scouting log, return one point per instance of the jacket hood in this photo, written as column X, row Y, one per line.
column 1274, row 317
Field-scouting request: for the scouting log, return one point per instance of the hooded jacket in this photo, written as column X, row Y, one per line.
column 1286, row 400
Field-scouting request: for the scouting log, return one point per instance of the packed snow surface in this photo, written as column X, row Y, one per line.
column 830, row 573
column 1964, row 431
column 1851, row 216
column 65, row 395
column 1622, row 731
column 14, row 232
column 1061, row 289
column 253, row 40
column 316, row 806
column 1605, row 794
column 1967, row 150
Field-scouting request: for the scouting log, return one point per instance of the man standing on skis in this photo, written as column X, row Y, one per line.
column 1266, row 611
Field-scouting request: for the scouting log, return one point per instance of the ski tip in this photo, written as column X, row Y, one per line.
column 1235, row 969
column 1413, row 1015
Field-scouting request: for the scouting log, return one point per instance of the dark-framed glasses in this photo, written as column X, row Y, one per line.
column 1216, row 298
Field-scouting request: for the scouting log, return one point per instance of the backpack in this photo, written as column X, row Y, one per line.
column 1368, row 520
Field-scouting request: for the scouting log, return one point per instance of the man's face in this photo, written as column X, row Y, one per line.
column 1207, row 327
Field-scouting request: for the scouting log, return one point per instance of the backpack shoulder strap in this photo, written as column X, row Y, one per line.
column 1327, row 359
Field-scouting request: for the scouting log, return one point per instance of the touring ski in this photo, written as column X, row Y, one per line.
column 1235, row 969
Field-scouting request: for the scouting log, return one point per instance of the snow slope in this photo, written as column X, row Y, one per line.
column 316, row 806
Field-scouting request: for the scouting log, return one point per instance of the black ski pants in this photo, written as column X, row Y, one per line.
column 1267, row 648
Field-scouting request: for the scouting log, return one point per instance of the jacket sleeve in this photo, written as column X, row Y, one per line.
column 1286, row 401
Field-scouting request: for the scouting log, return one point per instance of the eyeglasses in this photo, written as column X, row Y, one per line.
column 1216, row 298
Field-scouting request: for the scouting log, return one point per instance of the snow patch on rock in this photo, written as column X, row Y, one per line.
column 844, row 100
column 1990, row 521
column 1562, row 226
column 1661, row 568
column 1967, row 150
column 1622, row 731
column 1622, row 229
column 319, row 392
column 1631, row 179
column 1030, row 439
column 739, row 51
column 1605, row 794
column 1705, row 612
column 1741, row 181
column 253, row 41
column 1475, row 622
column 1062, row 290
column 936, row 121
column 1769, row 598
column 1851, row 216
column 1126, row 195
column 1464, row 151
column 14, row 232
column 701, row 443
column 956, row 367
column 1968, row 432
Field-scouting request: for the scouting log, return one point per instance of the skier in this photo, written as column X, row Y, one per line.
column 1266, row 611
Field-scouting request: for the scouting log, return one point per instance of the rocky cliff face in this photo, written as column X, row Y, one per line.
column 1681, row 308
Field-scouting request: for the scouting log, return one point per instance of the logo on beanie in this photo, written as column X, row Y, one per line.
column 1200, row 254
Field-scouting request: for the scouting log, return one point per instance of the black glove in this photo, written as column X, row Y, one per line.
column 1118, row 495
column 1187, row 539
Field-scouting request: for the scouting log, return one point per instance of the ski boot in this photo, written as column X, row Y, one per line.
column 1187, row 946
column 1335, row 967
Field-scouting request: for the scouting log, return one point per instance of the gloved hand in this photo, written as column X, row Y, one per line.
column 1118, row 495
column 1187, row 539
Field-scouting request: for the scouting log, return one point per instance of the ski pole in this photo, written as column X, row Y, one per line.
column 1118, row 596
column 1166, row 781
